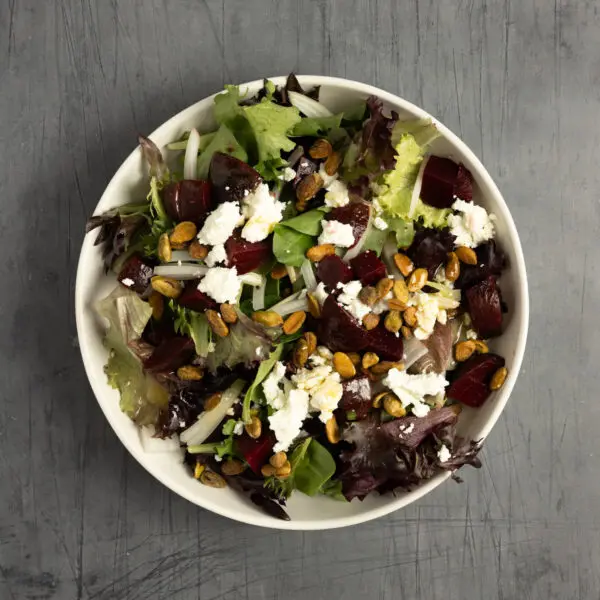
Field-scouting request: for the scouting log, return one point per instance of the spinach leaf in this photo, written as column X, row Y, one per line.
column 314, row 469
column 290, row 246
column 272, row 294
column 308, row 222
column 265, row 368
column 333, row 489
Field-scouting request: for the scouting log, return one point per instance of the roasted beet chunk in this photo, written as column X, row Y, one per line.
column 471, row 383
column 172, row 353
column 357, row 395
column 368, row 267
column 136, row 274
column 194, row 299
column 444, row 181
column 246, row 256
column 430, row 248
column 231, row 178
column 385, row 344
column 338, row 330
column 355, row 214
column 188, row 200
column 255, row 452
column 490, row 261
column 485, row 307
column 333, row 270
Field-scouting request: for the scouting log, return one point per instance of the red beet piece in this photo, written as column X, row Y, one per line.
column 471, row 385
column 333, row 270
column 188, row 200
column 368, row 267
column 443, row 179
column 385, row 344
column 231, row 177
column 485, row 307
column 338, row 330
column 255, row 452
column 355, row 214
column 136, row 274
column 194, row 299
column 356, row 396
column 170, row 355
column 246, row 256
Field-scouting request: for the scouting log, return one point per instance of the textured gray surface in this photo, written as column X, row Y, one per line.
column 517, row 80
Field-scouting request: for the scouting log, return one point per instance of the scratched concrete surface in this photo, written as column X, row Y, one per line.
column 519, row 81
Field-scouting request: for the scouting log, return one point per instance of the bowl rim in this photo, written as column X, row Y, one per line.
column 395, row 503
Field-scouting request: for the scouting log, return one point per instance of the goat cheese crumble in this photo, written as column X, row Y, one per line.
column 263, row 212
column 221, row 284
column 350, row 301
column 286, row 423
column 472, row 226
column 444, row 454
column 216, row 255
column 412, row 389
column 336, row 233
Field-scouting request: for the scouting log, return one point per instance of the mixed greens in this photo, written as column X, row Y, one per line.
column 305, row 299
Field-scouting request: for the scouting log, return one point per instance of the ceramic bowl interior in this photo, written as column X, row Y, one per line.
column 130, row 183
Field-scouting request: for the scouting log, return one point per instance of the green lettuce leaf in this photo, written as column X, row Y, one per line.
column 142, row 397
column 308, row 222
column 317, row 126
column 431, row 216
column 195, row 325
column 222, row 141
column 290, row 246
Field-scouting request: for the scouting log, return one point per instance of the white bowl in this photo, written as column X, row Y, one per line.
column 130, row 183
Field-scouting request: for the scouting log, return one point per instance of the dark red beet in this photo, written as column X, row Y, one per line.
column 332, row 269
column 170, row 355
column 246, row 256
column 368, row 267
column 194, row 299
column 430, row 248
column 231, row 177
column 385, row 344
column 357, row 396
column 490, row 261
column 485, row 307
column 255, row 452
column 136, row 274
column 338, row 330
column 471, row 384
column 444, row 181
column 355, row 214
column 188, row 200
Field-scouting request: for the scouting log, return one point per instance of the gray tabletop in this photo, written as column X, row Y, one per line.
column 519, row 81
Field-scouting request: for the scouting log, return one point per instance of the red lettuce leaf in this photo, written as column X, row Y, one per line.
column 430, row 248
column 490, row 261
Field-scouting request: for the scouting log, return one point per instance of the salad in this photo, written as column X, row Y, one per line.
column 304, row 299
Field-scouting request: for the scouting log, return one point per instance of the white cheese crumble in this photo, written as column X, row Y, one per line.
column 428, row 312
column 216, row 255
column 127, row 282
column 319, row 293
column 412, row 389
column 472, row 226
column 263, row 212
column 336, row 233
column 287, row 175
column 471, row 334
column 380, row 223
column 286, row 423
column 337, row 194
column 327, row 179
column 273, row 393
column 444, row 454
column 220, row 223
column 221, row 284
column 238, row 428
column 349, row 299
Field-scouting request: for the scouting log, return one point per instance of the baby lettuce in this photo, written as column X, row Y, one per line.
column 195, row 325
column 142, row 397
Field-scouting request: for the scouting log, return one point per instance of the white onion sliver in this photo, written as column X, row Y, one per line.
column 413, row 351
column 190, row 162
column 387, row 255
column 258, row 296
column 253, row 279
column 310, row 281
column 292, row 273
column 414, row 199
column 308, row 106
column 288, row 308
column 356, row 250
column 208, row 421
column 181, row 271
column 184, row 257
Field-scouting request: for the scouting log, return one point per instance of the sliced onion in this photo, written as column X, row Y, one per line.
column 258, row 296
column 209, row 420
column 357, row 249
column 308, row 106
column 253, row 279
column 292, row 273
column 387, row 255
column 190, row 162
column 297, row 299
column 295, row 156
column 183, row 256
column 414, row 199
column 413, row 351
column 310, row 281
column 181, row 272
